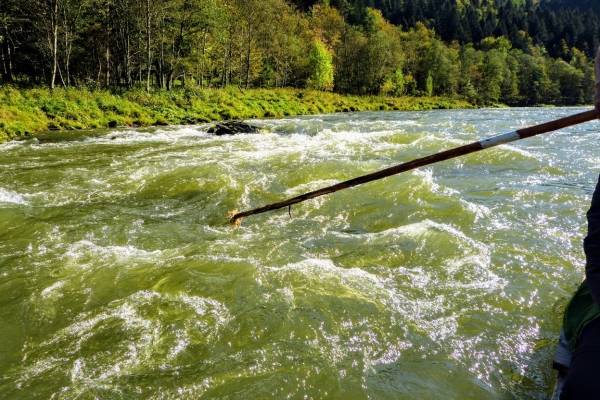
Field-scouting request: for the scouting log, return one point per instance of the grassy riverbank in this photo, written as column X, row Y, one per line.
column 25, row 112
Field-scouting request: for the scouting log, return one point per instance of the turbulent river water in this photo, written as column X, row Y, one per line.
column 121, row 278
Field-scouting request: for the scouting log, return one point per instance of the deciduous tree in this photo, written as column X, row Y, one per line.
column 321, row 67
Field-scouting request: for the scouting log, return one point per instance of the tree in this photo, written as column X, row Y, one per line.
column 429, row 85
column 212, row 19
column 8, row 24
column 148, row 21
column 251, row 14
column 382, row 53
column 70, row 21
column 285, row 47
column 329, row 27
column 442, row 64
column 493, row 73
column 398, row 82
column 533, row 79
column 321, row 68
column 415, row 44
column 44, row 17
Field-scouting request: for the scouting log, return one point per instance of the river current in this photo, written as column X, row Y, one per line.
column 121, row 278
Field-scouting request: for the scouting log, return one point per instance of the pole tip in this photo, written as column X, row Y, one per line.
column 236, row 222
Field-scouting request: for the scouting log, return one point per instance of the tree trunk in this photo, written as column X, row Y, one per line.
column 61, row 76
column 107, row 55
column 162, row 54
column 107, row 59
column 224, row 77
column 229, row 79
column 203, row 58
column 346, row 79
column 54, row 25
column 6, row 55
column 138, row 57
column 67, row 49
column 241, row 69
column 169, row 80
column 99, row 75
column 148, row 54
column 249, row 49
column 5, row 75
column 127, row 61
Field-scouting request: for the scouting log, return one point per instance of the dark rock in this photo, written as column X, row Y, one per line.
column 233, row 128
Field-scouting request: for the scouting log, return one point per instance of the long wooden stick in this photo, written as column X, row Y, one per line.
column 235, row 218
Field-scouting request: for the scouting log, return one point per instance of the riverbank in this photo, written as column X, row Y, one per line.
column 24, row 112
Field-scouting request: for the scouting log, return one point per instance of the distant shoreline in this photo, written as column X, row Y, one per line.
column 25, row 112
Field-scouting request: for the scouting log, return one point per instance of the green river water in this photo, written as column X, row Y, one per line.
column 121, row 278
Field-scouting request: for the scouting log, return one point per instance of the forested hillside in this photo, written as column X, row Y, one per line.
column 514, row 52
column 557, row 25
column 582, row 5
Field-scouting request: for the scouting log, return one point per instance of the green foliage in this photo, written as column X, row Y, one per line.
column 429, row 85
column 493, row 75
column 398, row 82
column 486, row 52
column 394, row 85
column 321, row 68
column 491, row 43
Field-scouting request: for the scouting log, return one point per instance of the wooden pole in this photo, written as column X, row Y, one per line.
column 235, row 217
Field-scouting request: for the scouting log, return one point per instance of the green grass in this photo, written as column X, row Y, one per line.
column 24, row 112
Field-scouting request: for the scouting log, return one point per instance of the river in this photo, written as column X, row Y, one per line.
column 121, row 278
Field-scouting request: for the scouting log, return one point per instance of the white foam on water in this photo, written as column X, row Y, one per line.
column 84, row 254
column 521, row 151
column 7, row 146
column 428, row 314
column 323, row 278
column 172, row 135
column 472, row 259
column 8, row 196
column 428, row 178
column 480, row 211
column 141, row 341
column 422, row 228
column 52, row 288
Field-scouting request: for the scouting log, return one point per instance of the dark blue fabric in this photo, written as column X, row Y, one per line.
column 583, row 378
column 591, row 246
column 582, row 382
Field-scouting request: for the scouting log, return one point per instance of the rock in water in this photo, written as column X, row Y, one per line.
column 232, row 128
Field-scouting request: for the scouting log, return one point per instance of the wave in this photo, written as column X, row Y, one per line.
column 148, row 331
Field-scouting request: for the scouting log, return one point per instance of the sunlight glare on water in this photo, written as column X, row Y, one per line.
column 120, row 277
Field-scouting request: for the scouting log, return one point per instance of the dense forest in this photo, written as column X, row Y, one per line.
column 517, row 52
